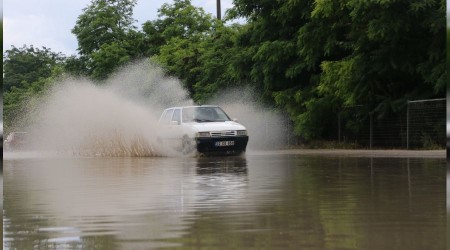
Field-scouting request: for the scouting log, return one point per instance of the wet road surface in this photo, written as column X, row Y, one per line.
column 259, row 201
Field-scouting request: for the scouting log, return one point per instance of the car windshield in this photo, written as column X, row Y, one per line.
column 204, row 114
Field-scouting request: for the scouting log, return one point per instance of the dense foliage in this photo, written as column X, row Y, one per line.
column 308, row 58
column 315, row 57
column 106, row 36
column 26, row 65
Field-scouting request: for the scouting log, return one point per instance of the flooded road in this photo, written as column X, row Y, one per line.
column 259, row 201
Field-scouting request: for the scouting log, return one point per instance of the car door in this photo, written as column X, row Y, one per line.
column 175, row 129
column 164, row 122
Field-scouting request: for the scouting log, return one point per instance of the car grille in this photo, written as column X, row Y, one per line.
column 223, row 133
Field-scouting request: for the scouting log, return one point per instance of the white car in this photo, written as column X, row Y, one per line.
column 206, row 129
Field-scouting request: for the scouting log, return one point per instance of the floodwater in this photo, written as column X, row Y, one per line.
column 253, row 202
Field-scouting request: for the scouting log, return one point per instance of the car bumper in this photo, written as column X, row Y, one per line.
column 209, row 145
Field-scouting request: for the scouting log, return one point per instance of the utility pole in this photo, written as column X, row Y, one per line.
column 219, row 13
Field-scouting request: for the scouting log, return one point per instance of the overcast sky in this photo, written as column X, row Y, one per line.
column 49, row 22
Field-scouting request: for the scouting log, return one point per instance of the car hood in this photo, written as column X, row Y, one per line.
column 216, row 126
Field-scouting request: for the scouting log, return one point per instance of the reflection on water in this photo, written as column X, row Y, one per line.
column 278, row 201
column 1, row 187
column 448, row 196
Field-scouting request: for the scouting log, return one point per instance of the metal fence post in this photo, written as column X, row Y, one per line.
column 407, row 124
column 339, row 127
column 371, row 130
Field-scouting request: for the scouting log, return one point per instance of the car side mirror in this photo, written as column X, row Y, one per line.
column 174, row 122
column 234, row 120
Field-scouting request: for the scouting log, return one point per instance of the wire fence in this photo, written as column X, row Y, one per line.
column 426, row 121
column 421, row 125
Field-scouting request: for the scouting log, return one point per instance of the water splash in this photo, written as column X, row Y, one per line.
column 119, row 117
column 267, row 127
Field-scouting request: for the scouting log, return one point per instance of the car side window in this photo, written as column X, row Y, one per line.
column 167, row 116
column 176, row 116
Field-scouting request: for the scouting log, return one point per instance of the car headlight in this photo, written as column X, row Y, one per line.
column 242, row 132
column 203, row 134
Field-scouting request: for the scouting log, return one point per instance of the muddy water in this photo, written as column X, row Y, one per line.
column 251, row 202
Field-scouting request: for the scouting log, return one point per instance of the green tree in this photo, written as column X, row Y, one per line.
column 393, row 52
column 180, row 37
column 112, row 55
column 272, row 56
column 313, row 57
column 18, row 101
column 397, row 51
column 216, row 62
column 23, row 66
column 269, row 39
column 153, row 36
column 107, row 58
column 180, row 20
column 103, row 22
column 106, row 38
column 27, row 72
column 76, row 65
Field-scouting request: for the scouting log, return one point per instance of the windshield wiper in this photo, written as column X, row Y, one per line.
column 203, row 120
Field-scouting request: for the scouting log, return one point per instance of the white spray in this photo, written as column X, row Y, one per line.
column 267, row 128
column 119, row 117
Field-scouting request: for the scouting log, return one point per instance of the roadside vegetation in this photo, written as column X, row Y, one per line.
column 308, row 59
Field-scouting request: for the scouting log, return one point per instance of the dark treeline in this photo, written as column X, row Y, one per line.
column 308, row 58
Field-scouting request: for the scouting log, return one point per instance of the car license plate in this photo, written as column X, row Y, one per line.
column 224, row 143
